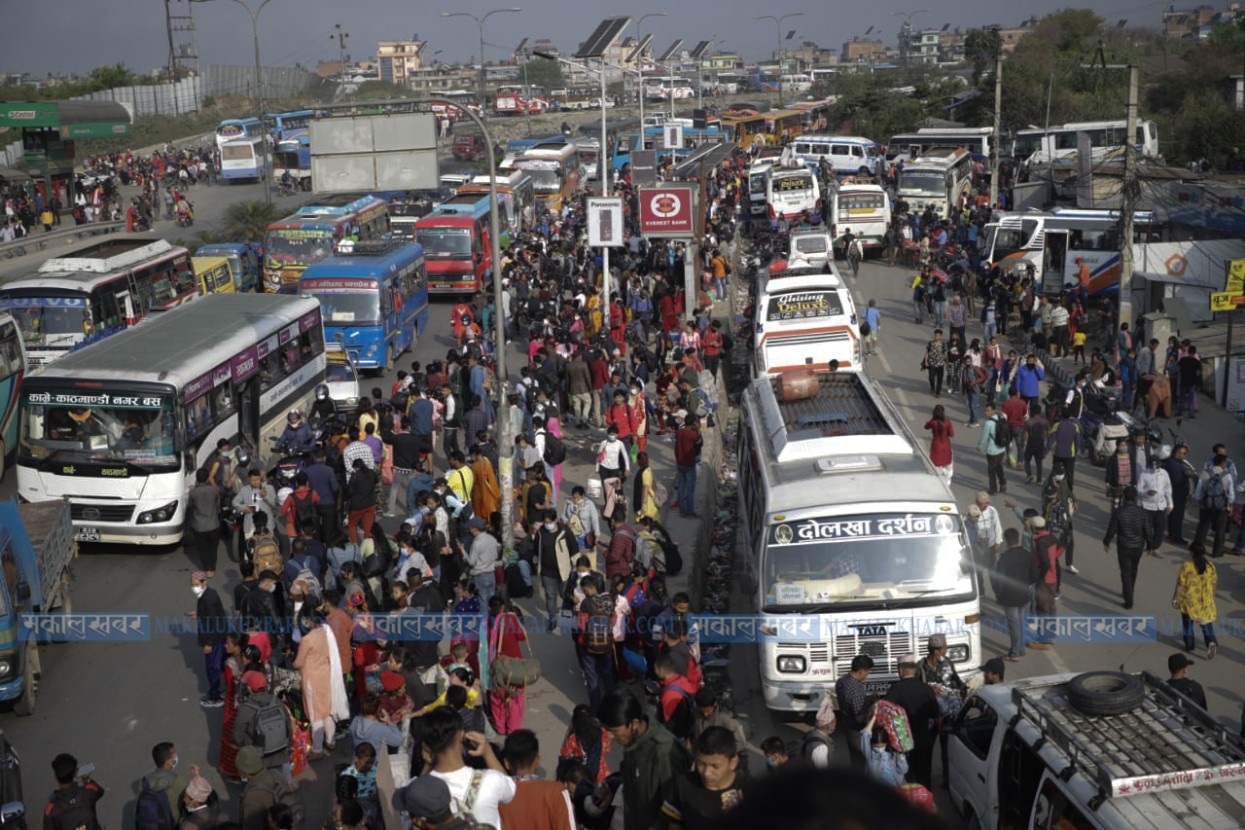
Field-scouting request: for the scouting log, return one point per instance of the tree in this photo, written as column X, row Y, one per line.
column 545, row 73
column 109, row 77
column 380, row 91
column 979, row 51
column 249, row 219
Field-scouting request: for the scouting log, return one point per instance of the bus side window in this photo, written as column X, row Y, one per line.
column 386, row 301
column 311, row 343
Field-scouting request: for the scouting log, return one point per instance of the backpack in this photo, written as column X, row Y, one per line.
column 288, row 798
column 313, row 581
column 682, row 719
column 304, row 509
column 672, row 557
column 1213, row 495
column 74, row 810
column 814, row 738
column 645, row 552
column 555, row 450
column 266, row 554
column 271, row 729
column 1003, row 433
column 599, row 630
column 865, row 328
column 152, row 812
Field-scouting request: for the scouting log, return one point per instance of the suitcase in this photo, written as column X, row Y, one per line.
column 797, row 385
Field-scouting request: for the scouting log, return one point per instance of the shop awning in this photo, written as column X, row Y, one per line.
column 72, row 119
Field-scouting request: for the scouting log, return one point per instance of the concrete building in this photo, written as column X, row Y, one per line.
column 862, row 50
column 398, row 58
column 1012, row 35
column 443, row 79
column 930, row 46
column 808, row 56
column 1197, row 23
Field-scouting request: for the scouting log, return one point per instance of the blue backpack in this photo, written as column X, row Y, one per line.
column 153, row 811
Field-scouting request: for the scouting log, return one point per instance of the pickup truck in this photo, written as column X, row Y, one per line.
column 36, row 546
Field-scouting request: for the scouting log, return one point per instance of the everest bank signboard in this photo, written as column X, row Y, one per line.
column 668, row 210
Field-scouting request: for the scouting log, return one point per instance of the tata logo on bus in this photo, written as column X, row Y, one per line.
column 668, row 210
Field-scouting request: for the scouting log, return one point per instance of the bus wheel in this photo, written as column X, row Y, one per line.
column 25, row 705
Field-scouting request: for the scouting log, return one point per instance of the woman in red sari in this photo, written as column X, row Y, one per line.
column 234, row 643
column 506, row 704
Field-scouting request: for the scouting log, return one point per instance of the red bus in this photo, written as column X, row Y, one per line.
column 458, row 244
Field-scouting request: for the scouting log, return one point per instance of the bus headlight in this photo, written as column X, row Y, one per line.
column 161, row 514
column 6, row 666
column 790, row 664
column 958, row 653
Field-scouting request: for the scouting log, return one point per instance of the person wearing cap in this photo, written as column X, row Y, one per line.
column 264, row 789
column 427, row 801
column 1046, row 552
column 1178, row 671
column 256, row 701
column 993, row 671
column 1012, row 581
column 482, row 557
column 198, row 813
column 938, row 668
column 394, row 701
column 920, row 704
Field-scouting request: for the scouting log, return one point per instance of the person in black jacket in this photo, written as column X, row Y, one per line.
column 211, row 624
column 360, row 502
column 1131, row 529
column 1012, row 580
column 921, row 705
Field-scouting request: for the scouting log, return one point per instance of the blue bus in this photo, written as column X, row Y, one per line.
column 293, row 155
column 12, row 370
column 373, row 298
column 281, row 123
column 693, row 138
column 240, row 142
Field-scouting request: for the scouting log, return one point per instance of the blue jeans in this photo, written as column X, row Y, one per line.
column 214, row 663
column 486, row 584
column 1208, row 633
column 598, row 672
column 939, row 308
column 970, row 397
column 552, row 586
column 1187, row 401
column 991, row 329
column 1015, row 629
column 685, row 489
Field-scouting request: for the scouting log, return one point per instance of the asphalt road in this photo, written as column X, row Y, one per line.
column 109, row 703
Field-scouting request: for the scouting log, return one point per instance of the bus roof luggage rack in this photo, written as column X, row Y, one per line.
column 1165, row 742
column 828, row 415
column 103, row 257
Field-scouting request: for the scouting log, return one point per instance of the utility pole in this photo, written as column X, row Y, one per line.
column 1129, row 191
column 998, row 119
column 340, row 36
column 187, row 47
column 168, row 20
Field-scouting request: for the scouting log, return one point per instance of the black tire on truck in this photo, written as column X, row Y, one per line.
column 1104, row 693
column 25, row 705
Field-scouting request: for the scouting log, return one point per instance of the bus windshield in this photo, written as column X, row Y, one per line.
column 1010, row 240
column 451, row 243
column 237, row 151
column 869, row 558
column 923, row 184
column 45, row 325
column 544, row 179
column 71, row 427
column 354, row 307
column 298, row 246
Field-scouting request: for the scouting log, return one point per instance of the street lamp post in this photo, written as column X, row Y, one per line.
column 778, row 52
column 906, row 32
column 639, row 84
column 259, row 91
column 480, row 23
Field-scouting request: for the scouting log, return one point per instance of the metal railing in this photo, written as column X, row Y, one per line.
column 37, row 241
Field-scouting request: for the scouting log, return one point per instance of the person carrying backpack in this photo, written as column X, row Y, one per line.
column 263, row 722
column 996, row 440
column 1214, row 497
column 160, row 791
column 677, row 701
column 594, row 641
column 264, row 790
column 72, row 805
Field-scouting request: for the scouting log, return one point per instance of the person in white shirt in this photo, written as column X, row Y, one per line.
column 985, row 534
column 1154, row 491
column 478, row 792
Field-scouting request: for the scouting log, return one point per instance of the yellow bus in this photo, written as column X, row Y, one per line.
column 555, row 171
column 768, row 127
column 212, row 275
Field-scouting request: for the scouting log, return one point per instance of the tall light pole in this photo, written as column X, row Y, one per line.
column 340, row 36
column 259, row 90
column 480, row 23
column 778, row 52
column 639, row 84
column 905, row 32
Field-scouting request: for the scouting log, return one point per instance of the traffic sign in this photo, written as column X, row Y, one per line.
column 1226, row 301
column 1236, row 277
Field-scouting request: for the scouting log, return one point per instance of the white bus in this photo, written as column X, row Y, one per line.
column 119, row 429
column 1059, row 144
column 1052, row 242
column 758, row 188
column 792, row 191
column 851, row 540
column 979, row 141
column 665, row 87
column 865, row 209
column 806, row 318
column 941, row 179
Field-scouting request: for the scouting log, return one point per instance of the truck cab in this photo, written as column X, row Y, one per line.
column 468, row 146
column 36, row 547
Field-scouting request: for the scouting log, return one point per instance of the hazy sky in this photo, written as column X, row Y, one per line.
column 77, row 35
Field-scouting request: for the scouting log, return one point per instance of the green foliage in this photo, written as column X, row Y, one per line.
column 247, row 220
column 872, row 107
column 979, row 51
column 544, row 72
column 380, row 91
column 101, row 78
column 108, row 77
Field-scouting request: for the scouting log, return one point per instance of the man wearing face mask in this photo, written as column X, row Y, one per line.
column 211, row 623
column 262, row 607
column 556, row 549
column 164, row 778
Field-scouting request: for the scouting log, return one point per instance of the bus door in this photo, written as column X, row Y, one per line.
column 125, row 300
column 1055, row 258
column 248, row 411
column 390, row 307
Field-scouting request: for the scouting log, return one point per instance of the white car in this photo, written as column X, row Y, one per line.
column 342, row 378
column 811, row 248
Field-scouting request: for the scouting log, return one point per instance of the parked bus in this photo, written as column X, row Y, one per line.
column 1052, row 242
column 120, row 429
column 942, row 179
column 293, row 155
column 763, row 128
column 459, row 246
column 652, row 138
column 281, row 124
column 518, row 100
column 851, row 541
column 665, row 87
column 94, row 292
column 555, row 173
column 758, row 188
column 12, row 371
column 792, row 191
column 232, row 129
column 979, row 141
column 806, row 318
column 243, row 263
column 312, row 234
column 242, row 160
column 373, row 297
column 865, row 209
column 1106, row 138
column 516, row 197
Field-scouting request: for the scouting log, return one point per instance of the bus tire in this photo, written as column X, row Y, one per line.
column 1100, row 693
column 25, row 705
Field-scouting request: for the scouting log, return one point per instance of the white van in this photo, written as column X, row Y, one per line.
column 805, row 318
column 811, row 248
column 1094, row 751
column 848, row 155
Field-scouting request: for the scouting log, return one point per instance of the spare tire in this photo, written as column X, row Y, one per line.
column 1100, row 693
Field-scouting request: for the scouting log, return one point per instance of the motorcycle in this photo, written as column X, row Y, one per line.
column 1102, row 423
